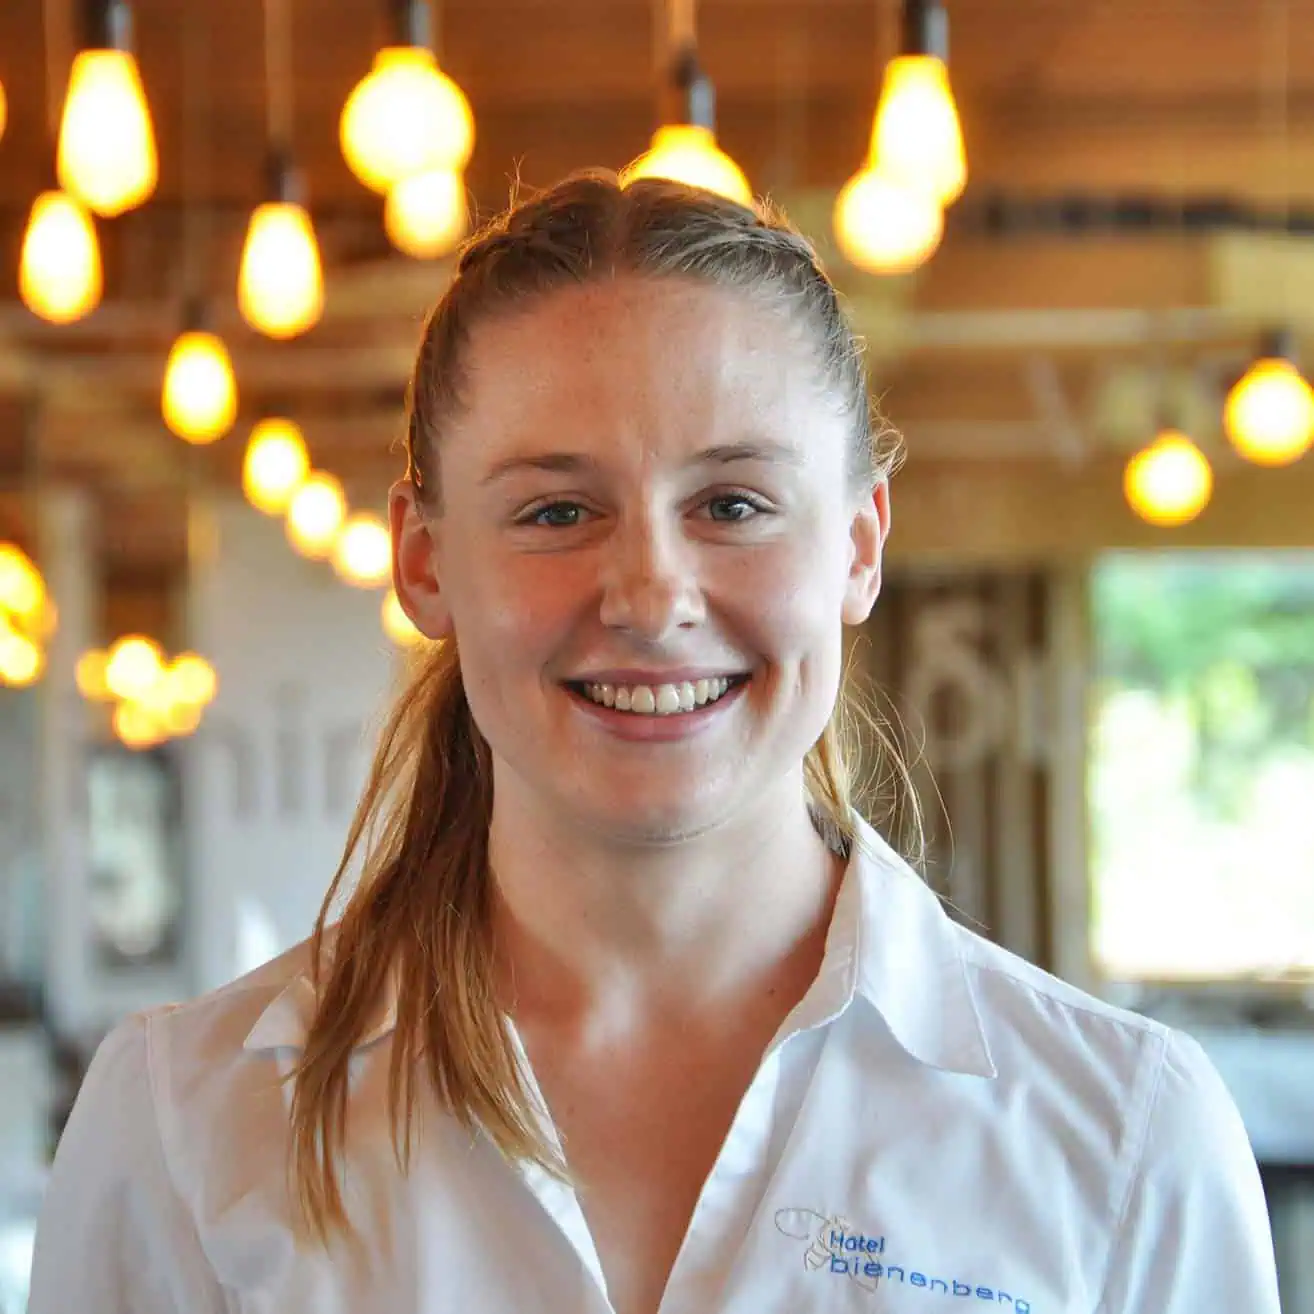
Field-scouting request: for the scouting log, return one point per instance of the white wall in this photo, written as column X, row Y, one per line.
column 273, row 775
column 21, row 951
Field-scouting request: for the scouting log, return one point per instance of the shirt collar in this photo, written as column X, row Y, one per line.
column 285, row 1022
column 890, row 941
column 907, row 959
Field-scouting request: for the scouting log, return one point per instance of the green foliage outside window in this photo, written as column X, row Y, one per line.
column 1202, row 764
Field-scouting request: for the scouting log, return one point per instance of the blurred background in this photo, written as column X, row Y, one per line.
column 1079, row 243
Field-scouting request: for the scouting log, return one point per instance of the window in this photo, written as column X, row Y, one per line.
column 1202, row 766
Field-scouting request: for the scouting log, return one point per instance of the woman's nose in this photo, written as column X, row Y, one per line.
column 650, row 582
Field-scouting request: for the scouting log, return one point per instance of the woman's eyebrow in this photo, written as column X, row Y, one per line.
column 575, row 462
column 754, row 450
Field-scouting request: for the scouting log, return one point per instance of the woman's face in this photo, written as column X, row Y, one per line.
column 645, row 491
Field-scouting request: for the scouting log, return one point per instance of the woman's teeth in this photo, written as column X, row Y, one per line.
column 659, row 699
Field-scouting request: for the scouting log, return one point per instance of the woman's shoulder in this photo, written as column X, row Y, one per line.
column 1050, row 1033
column 212, row 1030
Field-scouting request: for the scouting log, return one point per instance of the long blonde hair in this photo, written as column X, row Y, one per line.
column 420, row 910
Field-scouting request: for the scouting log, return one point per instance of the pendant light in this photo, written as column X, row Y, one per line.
column 362, row 554
column 685, row 148
column 199, row 397
column 917, row 140
column 22, row 660
column 280, row 286
column 425, row 215
column 106, row 154
column 1169, row 482
column 59, row 271
column 1269, row 413
column 315, row 515
column 4, row 109
column 885, row 227
column 406, row 116
column 275, row 465
column 889, row 217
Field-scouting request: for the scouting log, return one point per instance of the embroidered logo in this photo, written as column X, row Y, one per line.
column 833, row 1246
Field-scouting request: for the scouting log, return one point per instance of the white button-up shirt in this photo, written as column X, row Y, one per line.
column 937, row 1127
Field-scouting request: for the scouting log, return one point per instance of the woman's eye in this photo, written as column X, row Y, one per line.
column 733, row 506
column 556, row 515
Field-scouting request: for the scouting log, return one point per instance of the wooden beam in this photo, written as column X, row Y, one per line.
column 1035, row 512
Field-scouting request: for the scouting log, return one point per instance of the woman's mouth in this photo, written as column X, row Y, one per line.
column 659, row 699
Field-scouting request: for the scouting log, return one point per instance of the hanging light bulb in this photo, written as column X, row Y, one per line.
column 191, row 680
column 132, row 667
column 684, row 148
column 106, row 153
column 136, row 727
column 315, row 515
column 425, row 214
column 405, row 116
column 280, row 287
column 916, row 139
column 4, row 109
column 59, row 275
column 397, row 624
column 275, row 465
column 687, row 153
column 362, row 554
column 21, row 659
column 1169, row 482
column 884, row 227
column 889, row 217
column 22, row 590
column 89, row 674
column 1269, row 414
column 199, row 398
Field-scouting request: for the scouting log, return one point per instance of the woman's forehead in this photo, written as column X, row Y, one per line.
column 644, row 350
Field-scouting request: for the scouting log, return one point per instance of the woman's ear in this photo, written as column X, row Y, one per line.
column 868, row 531
column 415, row 563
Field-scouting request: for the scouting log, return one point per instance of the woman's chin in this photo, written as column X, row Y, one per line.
column 652, row 821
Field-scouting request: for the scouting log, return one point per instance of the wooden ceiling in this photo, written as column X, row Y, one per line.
column 1037, row 349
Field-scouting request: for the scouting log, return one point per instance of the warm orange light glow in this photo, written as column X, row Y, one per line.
column 90, row 675
column 687, row 153
column 404, row 117
column 425, row 214
column 106, row 154
column 137, row 726
column 191, row 680
column 199, row 398
column 917, row 140
column 22, row 590
column 397, row 624
column 275, row 465
column 59, row 272
column 362, row 554
column 133, row 666
column 885, row 227
column 1169, row 482
column 280, row 287
column 1269, row 414
column 315, row 515
column 21, row 660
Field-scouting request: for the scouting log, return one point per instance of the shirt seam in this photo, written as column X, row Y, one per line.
column 202, row 1279
column 1136, row 1169
column 1144, row 1026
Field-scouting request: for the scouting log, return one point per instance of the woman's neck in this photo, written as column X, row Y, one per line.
column 610, row 938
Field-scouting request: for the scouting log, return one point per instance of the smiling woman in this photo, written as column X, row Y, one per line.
column 626, row 975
